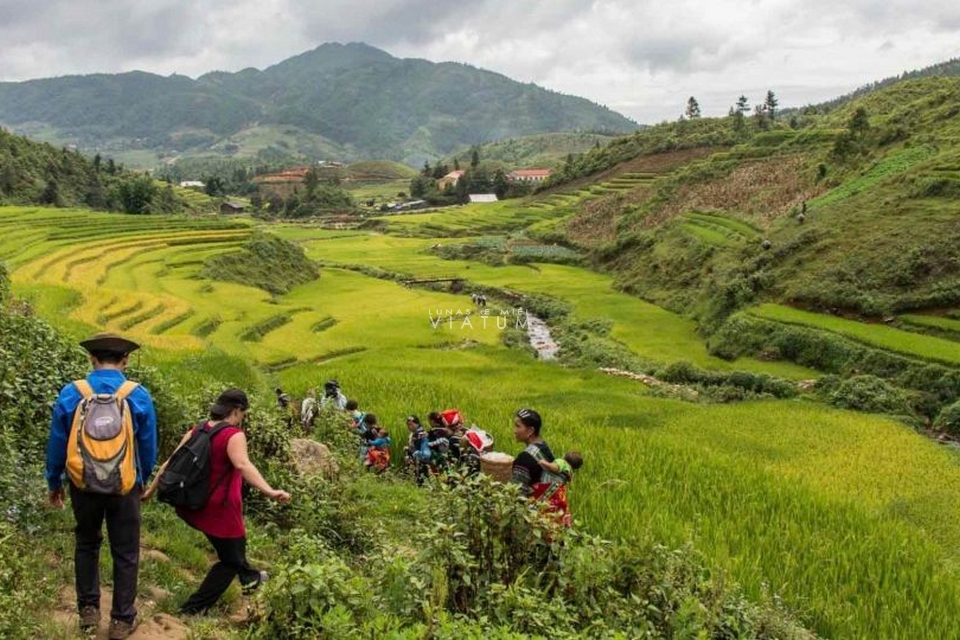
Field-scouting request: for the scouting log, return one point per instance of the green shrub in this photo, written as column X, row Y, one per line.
column 743, row 334
column 949, row 419
column 4, row 284
column 35, row 363
column 22, row 591
column 872, row 394
column 267, row 262
column 316, row 596
column 723, row 386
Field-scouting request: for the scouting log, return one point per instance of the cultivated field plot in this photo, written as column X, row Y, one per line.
column 146, row 286
column 646, row 329
column 877, row 335
column 941, row 323
column 718, row 230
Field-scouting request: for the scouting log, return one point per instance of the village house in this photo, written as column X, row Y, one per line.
column 283, row 183
column 228, row 208
column 529, row 176
column 451, row 179
column 482, row 197
column 192, row 184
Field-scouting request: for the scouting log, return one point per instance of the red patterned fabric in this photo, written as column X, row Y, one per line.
column 554, row 495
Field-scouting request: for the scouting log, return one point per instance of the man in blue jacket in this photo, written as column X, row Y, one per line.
column 108, row 356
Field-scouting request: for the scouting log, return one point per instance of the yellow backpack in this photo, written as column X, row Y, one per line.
column 101, row 446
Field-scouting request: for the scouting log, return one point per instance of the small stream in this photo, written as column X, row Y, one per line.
column 539, row 334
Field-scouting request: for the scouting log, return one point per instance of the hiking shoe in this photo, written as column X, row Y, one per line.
column 89, row 619
column 252, row 586
column 120, row 630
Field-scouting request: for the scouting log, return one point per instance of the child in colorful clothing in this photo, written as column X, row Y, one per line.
column 378, row 452
column 367, row 430
column 418, row 451
column 565, row 466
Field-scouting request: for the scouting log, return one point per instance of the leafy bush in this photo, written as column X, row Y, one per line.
column 4, row 284
column 727, row 386
column 21, row 592
column 872, row 394
column 35, row 363
column 482, row 563
column 743, row 334
column 316, row 595
column 267, row 262
column 949, row 419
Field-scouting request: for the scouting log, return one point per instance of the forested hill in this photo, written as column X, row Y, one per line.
column 356, row 99
column 39, row 173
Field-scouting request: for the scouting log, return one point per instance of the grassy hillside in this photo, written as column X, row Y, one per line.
column 853, row 214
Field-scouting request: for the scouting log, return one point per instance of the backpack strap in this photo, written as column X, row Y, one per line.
column 86, row 391
column 217, row 428
column 126, row 389
column 214, row 430
column 83, row 386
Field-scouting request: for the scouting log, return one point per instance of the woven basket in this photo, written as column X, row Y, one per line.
column 497, row 464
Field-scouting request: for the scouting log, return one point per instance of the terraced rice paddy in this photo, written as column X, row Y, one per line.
column 876, row 335
column 941, row 323
column 718, row 230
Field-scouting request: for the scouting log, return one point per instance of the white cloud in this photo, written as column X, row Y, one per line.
column 639, row 57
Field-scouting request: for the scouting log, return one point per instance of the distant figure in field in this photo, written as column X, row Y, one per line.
column 283, row 400
column 285, row 404
column 356, row 416
column 309, row 410
column 332, row 396
column 418, row 451
column 368, row 431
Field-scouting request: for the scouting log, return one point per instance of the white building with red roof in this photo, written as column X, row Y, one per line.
column 529, row 175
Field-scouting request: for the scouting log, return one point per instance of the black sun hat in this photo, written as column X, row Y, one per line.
column 109, row 342
column 228, row 401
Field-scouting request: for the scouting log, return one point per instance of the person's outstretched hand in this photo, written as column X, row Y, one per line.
column 279, row 495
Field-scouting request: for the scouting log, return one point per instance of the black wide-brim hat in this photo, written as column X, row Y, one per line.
column 228, row 401
column 109, row 342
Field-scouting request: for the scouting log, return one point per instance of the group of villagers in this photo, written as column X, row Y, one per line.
column 446, row 444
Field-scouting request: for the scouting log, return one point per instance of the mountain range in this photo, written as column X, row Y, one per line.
column 349, row 101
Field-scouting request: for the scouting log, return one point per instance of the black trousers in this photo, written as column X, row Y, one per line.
column 232, row 553
column 122, row 514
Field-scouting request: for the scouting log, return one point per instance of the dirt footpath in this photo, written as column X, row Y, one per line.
column 153, row 626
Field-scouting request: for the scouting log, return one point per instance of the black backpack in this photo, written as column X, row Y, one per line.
column 186, row 480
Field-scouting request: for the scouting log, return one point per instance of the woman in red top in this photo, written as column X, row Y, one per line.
column 221, row 520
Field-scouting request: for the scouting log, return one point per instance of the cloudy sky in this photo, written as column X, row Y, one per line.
column 638, row 57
